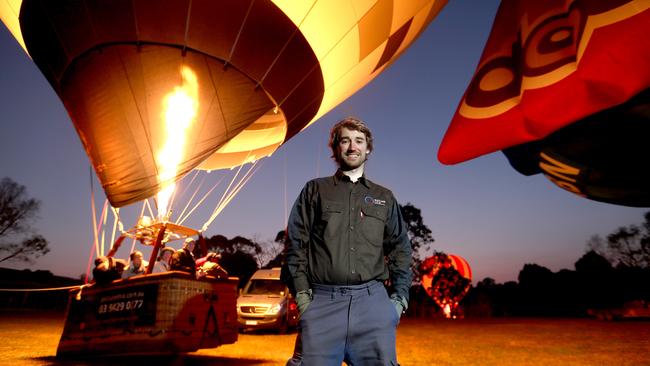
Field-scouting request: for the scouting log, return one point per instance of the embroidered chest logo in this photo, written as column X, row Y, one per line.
column 374, row 201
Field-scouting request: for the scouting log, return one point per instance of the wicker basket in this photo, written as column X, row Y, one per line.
column 152, row 314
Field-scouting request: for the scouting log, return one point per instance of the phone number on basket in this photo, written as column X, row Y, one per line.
column 120, row 306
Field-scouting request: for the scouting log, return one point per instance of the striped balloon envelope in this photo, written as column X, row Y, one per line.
column 245, row 76
column 461, row 265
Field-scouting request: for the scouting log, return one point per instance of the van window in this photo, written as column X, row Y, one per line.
column 265, row 287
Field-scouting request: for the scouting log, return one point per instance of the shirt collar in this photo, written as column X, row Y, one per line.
column 339, row 176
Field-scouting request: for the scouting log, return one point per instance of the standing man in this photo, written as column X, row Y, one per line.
column 347, row 237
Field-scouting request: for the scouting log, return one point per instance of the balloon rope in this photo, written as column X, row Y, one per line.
column 94, row 213
column 145, row 203
column 181, row 216
column 115, row 221
column 100, row 226
column 90, row 260
column 216, row 209
column 201, row 200
column 180, row 192
column 120, row 225
column 149, row 208
column 229, row 195
column 228, row 198
column 284, row 224
column 104, row 221
column 231, row 183
column 39, row 289
column 94, row 248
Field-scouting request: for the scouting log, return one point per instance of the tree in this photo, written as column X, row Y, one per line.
column 627, row 246
column 18, row 241
column 280, row 246
column 418, row 232
column 630, row 246
column 238, row 255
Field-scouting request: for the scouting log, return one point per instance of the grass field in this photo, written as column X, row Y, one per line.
column 31, row 339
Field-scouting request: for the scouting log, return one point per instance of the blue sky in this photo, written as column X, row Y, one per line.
column 482, row 209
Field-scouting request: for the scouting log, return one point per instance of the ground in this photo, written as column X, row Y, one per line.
column 31, row 339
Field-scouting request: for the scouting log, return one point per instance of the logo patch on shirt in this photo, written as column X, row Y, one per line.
column 374, row 201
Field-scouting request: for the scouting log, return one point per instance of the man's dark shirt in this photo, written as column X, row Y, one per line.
column 344, row 233
column 183, row 260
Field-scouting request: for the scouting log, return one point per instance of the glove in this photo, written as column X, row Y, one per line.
column 303, row 299
column 400, row 304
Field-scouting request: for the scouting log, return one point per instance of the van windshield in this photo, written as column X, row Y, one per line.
column 265, row 287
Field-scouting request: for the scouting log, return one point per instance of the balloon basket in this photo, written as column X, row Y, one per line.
column 165, row 313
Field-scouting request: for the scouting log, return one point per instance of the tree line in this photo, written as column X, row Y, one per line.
column 614, row 271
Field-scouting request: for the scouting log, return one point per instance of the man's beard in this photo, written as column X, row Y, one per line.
column 344, row 166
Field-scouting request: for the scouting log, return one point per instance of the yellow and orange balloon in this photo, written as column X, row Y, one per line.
column 158, row 88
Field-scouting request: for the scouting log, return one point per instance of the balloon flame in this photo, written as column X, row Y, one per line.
column 180, row 109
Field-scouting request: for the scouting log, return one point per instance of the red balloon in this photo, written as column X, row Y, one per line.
column 446, row 278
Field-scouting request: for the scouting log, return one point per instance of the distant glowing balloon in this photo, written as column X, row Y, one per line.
column 446, row 278
column 563, row 88
column 257, row 73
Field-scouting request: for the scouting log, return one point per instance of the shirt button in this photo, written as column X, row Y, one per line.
column 352, row 249
column 351, row 227
column 353, row 271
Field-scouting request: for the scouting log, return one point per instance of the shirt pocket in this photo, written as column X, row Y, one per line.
column 373, row 222
column 331, row 219
column 331, row 209
column 331, row 212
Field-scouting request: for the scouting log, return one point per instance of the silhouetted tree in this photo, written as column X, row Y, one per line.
column 418, row 232
column 630, row 245
column 536, row 286
column 282, row 242
column 238, row 255
column 16, row 213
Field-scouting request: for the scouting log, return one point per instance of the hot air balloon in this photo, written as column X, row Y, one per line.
column 245, row 75
column 156, row 89
column 446, row 278
column 562, row 88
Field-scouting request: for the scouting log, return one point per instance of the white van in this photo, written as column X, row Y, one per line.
column 265, row 303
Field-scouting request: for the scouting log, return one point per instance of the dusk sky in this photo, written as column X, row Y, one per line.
column 482, row 210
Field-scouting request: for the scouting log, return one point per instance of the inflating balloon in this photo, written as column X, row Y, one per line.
column 563, row 89
column 446, row 279
column 158, row 88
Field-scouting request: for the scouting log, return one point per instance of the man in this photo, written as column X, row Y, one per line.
column 346, row 237
column 183, row 260
column 108, row 269
column 138, row 265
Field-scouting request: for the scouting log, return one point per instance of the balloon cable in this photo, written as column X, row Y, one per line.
column 285, row 191
column 200, row 201
column 94, row 212
column 230, row 194
column 181, row 192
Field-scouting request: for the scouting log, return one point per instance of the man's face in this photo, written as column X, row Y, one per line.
column 137, row 260
column 352, row 149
